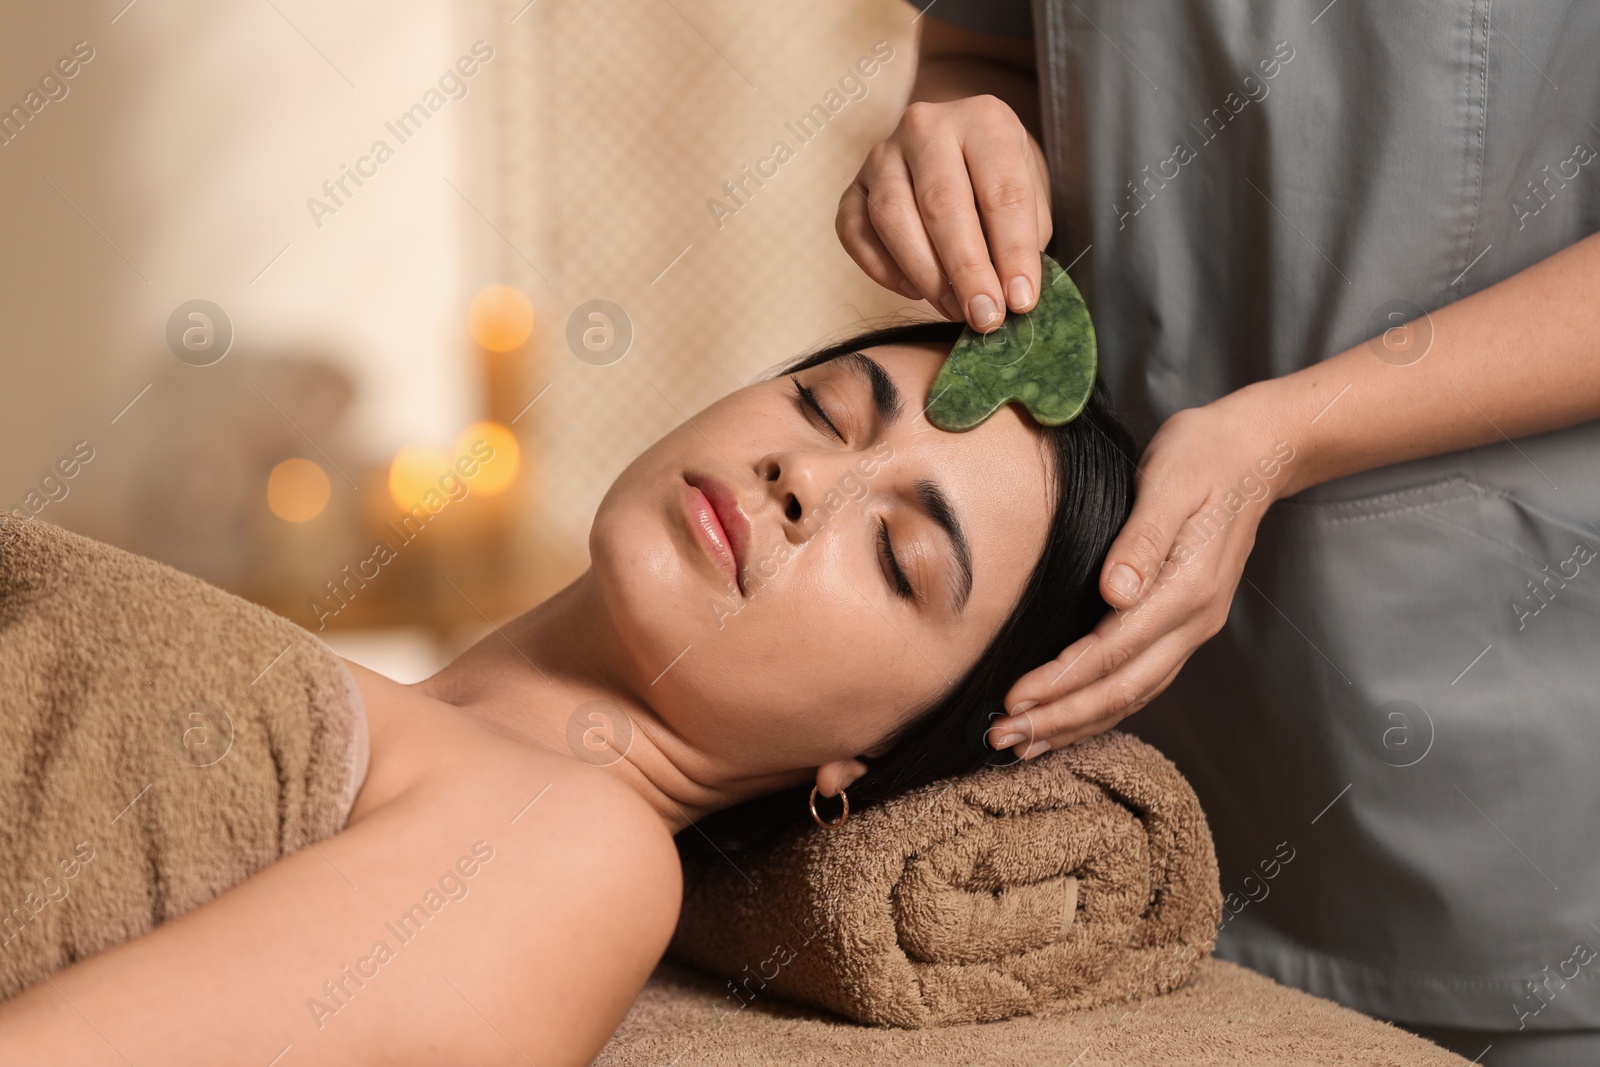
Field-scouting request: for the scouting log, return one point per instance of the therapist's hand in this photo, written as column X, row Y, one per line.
column 954, row 208
column 1204, row 483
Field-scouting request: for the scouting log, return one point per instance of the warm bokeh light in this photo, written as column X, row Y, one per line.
column 500, row 318
column 500, row 471
column 297, row 490
column 416, row 468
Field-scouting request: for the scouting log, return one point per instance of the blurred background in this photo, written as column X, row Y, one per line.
column 356, row 310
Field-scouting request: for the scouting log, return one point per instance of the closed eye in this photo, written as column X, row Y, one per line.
column 807, row 401
column 895, row 576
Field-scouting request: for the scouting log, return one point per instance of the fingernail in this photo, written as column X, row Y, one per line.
column 1007, row 740
column 1019, row 292
column 1124, row 580
column 984, row 311
column 1022, row 706
column 951, row 308
column 1034, row 749
column 910, row 290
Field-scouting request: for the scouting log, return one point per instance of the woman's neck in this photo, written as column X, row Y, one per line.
column 558, row 677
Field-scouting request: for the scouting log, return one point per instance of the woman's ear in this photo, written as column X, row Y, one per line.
column 838, row 774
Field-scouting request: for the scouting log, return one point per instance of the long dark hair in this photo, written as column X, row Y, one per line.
column 1091, row 465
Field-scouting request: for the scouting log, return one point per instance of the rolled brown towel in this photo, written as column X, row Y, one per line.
column 160, row 741
column 1079, row 878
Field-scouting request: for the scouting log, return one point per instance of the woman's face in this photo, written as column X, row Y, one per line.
column 791, row 584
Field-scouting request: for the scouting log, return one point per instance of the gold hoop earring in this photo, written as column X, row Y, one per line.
column 845, row 814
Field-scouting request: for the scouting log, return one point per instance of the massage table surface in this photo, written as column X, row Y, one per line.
column 1225, row 1016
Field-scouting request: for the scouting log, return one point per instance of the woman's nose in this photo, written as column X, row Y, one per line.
column 796, row 482
column 784, row 479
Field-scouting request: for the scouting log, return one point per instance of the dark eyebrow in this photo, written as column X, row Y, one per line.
column 886, row 396
column 937, row 507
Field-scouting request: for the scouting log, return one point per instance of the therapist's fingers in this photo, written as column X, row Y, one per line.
column 937, row 155
column 1147, row 546
column 1013, row 204
column 1092, row 656
column 1143, row 550
column 957, row 197
column 854, row 227
column 1110, row 679
column 1119, row 637
column 893, row 213
column 1061, row 725
column 1041, row 177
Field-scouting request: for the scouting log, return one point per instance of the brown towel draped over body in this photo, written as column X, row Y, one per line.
column 160, row 741
column 1081, row 877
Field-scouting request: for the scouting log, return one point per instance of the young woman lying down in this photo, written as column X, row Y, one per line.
column 805, row 586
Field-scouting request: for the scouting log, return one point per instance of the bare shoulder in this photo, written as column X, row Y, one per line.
column 582, row 888
column 429, row 761
column 594, row 874
column 590, row 821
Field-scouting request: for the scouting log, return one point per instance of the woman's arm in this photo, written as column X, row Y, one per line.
column 444, row 927
column 1520, row 357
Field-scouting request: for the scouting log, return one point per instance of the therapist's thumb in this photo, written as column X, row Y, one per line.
column 1136, row 556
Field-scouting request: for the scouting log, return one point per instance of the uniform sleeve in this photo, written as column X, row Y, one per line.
column 1011, row 18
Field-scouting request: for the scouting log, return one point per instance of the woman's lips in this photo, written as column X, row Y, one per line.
column 714, row 513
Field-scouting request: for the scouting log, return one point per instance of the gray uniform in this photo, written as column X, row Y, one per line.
column 1396, row 736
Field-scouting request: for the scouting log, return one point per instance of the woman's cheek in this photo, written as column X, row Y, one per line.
column 660, row 565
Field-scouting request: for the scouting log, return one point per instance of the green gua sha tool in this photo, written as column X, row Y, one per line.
column 1044, row 358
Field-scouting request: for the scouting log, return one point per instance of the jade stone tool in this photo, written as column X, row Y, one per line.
column 1045, row 358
